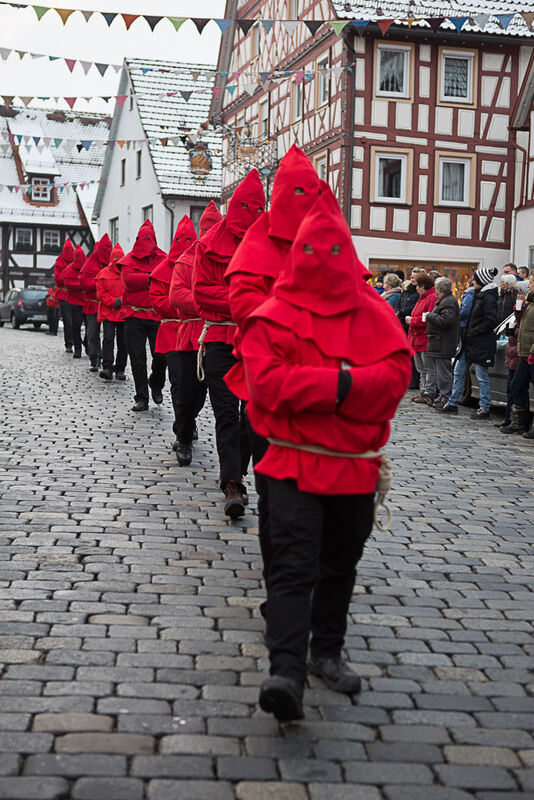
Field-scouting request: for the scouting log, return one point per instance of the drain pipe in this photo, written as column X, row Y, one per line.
column 169, row 208
column 348, row 136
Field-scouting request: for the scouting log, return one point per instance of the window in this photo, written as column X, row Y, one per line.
column 147, row 212
column 456, row 76
column 24, row 239
column 393, row 78
column 264, row 119
column 51, row 240
column 297, row 101
column 391, row 175
column 139, row 157
column 195, row 212
column 41, row 190
column 123, row 171
column 114, row 230
column 455, row 180
column 323, row 81
column 131, row 101
column 320, row 163
column 531, row 257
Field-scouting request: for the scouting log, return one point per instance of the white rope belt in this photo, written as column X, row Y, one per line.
column 139, row 308
column 385, row 473
column 201, row 350
column 168, row 320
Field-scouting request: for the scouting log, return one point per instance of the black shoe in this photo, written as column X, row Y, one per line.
column 157, row 396
column 139, row 405
column 448, row 409
column 282, row 697
column 68, row 349
column 480, row 414
column 195, row 433
column 93, row 368
column 336, row 674
column 263, row 609
column 77, row 354
column 108, row 376
column 120, row 376
column 175, row 445
column 234, row 506
column 529, row 434
column 184, row 454
column 502, row 424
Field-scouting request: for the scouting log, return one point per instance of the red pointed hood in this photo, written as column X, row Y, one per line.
column 246, row 204
column 323, row 273
column 145, row 242
column 210, row 216
column 116, row 254
column 184, row 237
column 66, row 255
column 102, row 250
column 79, row 258
column 295, row 190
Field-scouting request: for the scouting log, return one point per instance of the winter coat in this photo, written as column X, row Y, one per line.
column 443, row 327
column 64, row 258
column 98, row 259
column 510, row 353
column 466, row 304
column 71, row 278
column 525, row 338
column 407, row 300
column 51, row 298
column 135, row 268
column 479, row 340
column 417, row 329
column 392, row 296
column 109, row 287
column 505, row 304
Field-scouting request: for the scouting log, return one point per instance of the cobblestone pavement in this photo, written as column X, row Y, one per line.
column 131, row 642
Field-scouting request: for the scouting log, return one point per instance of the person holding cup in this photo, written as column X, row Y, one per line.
column 417, row 335
column 524, row 374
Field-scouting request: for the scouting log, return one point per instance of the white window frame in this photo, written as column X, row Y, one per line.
column 407, row 51
column 403, row 158
column 297, row 101
column 263, row 116
column 465, row 203
column 19, row 235
column 147, row 213
column 53, row 237
column 321, row 166
column 123, row 172
column 470, row 58
column 114, row 230
column 139, row 163
column 323, row 81
column 40, row 192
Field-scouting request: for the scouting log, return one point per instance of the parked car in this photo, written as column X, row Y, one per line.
column 24, row 306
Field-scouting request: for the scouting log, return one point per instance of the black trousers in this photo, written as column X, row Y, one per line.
column 92, row 327
column 67, row 322
column 187, row 392
column 76, row 313
column 230, row 421
column 138, row 333
column 519, row 386
column 317, row 541
column 52, row 320
column 114, row 332
column 258, row 448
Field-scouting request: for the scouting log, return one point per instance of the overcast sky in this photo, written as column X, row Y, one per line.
column 95, row 41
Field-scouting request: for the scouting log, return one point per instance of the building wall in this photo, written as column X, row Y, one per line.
column 522, row 252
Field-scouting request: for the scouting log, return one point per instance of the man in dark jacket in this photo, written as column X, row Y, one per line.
column 442, row 330
column 478, row 344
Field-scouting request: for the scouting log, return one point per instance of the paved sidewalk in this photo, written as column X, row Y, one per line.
column 130, row 642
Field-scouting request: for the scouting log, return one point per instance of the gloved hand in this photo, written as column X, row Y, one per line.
column 118, row 302
column 530, row 359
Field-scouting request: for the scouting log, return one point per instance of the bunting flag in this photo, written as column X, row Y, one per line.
column 18, row 187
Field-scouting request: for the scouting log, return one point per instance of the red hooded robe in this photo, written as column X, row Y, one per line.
column 262, row 254
column 64, row 258
column 98, row 259
column 71, row 278
column 135, row 269
column 214, row 252
column 160, row 282
column 323, row 317
column 109, row 286
column 181, row 293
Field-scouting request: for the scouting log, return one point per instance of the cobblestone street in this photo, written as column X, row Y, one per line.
column 131, row 645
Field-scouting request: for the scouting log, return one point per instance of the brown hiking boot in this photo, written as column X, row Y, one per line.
column 234, row 506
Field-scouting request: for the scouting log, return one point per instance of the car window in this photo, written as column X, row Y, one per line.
column 33, row 294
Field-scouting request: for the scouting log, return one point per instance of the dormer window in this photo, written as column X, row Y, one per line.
column 41, row 189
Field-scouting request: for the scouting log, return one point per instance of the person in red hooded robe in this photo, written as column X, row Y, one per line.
column 143, row 322
column 160, row 282
column 98, row 259
column 326, row 364
column 52, row 311
column 191, row 393
column 251, row 274
column 210, row 292
column 75, row 297
column 64, row 258
column 112, row 313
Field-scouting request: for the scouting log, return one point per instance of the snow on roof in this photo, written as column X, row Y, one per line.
column 64, row 163
column 406, row 9
column 174, row 116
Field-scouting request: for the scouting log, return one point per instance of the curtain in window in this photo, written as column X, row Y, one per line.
column 452, row 182
column 391, row 71
column 456, row 82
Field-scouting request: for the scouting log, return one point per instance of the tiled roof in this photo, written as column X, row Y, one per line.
column 66, row 165
column 173, row 116
column 405, row 9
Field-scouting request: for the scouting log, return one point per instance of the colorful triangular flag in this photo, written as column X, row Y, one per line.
column 504, row 20
column 129, row 18
column 223, row 24
column 177, row 22
column 458, row 22
column 267, row 25
column 313, row 25
column 152, row 21
column 64, row 13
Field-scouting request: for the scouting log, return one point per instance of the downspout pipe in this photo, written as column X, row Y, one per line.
column 348, row 136
column 171, row 210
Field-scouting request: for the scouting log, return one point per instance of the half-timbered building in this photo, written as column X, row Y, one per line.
column 50, row 162
column 408, row 121
column 522, row 245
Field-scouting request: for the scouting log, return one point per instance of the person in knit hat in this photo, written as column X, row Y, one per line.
column 324, row 402
column 112, row 313
column 75, row 297
column 160, row 283
column 478, row 344
column 64, row 258
column 191, row 394
column 210, row 292
column 251, row 274
column 98, row 259
column 143, row 322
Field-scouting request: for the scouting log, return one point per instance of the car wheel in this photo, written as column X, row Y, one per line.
column 1, row 324
column 14, row 322
column 37, row 325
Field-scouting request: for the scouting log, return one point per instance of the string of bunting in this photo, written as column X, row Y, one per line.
column 41, row 142
column 68, row 185
column 290, row 26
